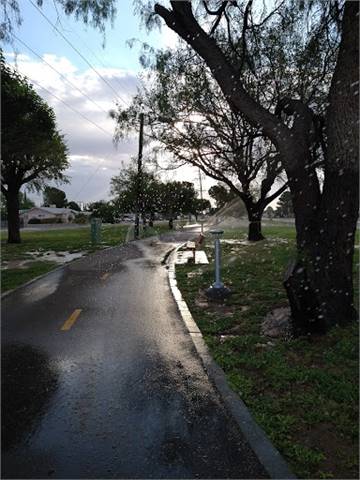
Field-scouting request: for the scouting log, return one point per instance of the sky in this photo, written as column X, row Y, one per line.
column 80, row 97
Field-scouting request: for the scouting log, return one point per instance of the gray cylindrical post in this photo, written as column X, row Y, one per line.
column 217, row 291
column 218, row 283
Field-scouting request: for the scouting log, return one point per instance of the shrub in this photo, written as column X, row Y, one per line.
column 45, row 220
column 81, row 219
column 51, row 220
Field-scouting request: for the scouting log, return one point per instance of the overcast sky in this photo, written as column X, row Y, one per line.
column 92, row 154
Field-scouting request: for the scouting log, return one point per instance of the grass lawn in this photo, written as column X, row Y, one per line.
column 35, row 243
column 304, row 391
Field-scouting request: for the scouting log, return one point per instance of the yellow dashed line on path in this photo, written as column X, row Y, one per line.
column 104, row 276
column 71, row 320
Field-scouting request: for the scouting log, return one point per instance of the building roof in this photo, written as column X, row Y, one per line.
column 53, row 210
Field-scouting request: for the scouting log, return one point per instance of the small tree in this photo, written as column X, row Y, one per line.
column 104, row 210
column 125, row 187
column 33, row 151
column 200, row 206
column 270, row 212
column 221, row 195
column 54, row 196
column 25, row 202
column 285, row 207
column 74, row 206
column 170, row 198
column 177, row 198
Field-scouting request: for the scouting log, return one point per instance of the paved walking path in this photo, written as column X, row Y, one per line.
column 102, row 379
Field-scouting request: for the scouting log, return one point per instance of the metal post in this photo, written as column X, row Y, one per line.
column 218, row 283
column 217, row 291
column 201, row 196
column 138, row 179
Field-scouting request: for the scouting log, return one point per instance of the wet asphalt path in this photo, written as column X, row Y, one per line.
column 121, row 393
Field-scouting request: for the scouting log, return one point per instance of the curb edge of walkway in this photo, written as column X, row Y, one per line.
column 268, row 455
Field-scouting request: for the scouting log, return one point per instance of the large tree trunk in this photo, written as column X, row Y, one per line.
column 320, row 284
column 151, row 219
column 254, row 216
column 12, row 198
column 254, row 232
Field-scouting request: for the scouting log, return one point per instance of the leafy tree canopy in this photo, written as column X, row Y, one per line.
column 54, row 196
column 167, row 198
column 33, row 150
column 285, row 206
column 104, row 210
column 221, row 195
column 74, row 206
column 126, row 185
column 93, row 13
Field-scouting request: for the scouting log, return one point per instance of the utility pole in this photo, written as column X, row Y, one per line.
column 138, row 179
column 201, row 196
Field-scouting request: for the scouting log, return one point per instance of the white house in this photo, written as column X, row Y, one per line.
column 62, row 215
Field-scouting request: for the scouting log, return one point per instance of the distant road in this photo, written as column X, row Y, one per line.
column 229, row 222
column 59, row 226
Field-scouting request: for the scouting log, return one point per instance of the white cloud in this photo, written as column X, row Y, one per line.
column 92, row 155
column 89, row 147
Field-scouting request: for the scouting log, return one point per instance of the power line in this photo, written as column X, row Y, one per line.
column 78, row 52
column 79, row 113
column 61, row 75
column 90, row 177
column 105, row 65
column 71, row 108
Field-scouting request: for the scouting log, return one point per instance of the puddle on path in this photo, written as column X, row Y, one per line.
column 48, row 256
column 42, row 288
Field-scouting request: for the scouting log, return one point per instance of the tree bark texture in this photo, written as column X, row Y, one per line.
column 254, row 212
column 319, row 281
column 12, row 198
column 254, row 232
column 151, row 219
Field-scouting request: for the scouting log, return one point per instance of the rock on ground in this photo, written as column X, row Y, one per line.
column 277, row 323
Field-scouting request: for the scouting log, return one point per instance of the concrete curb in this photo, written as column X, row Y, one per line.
column 267, row 454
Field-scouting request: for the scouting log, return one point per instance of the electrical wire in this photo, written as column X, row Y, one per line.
column 90, row 177
column 105, row 65
column 71, row 108
column 61, row 75
column 78, row 52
